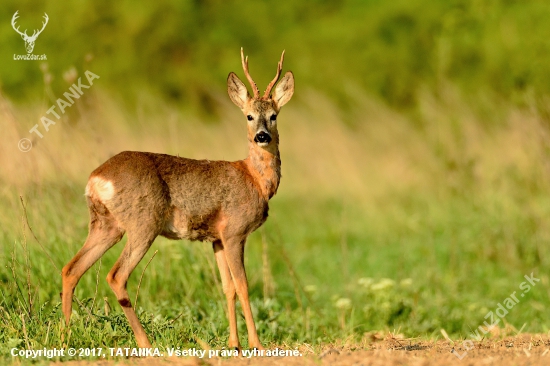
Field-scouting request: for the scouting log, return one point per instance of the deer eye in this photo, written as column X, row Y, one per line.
column 273, row 117
column 249, row 117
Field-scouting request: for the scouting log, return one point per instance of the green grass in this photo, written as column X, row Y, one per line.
column 379, row 227
column 462, row 258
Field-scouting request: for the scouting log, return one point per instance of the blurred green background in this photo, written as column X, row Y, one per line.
column 415, row 158
column 184, row 49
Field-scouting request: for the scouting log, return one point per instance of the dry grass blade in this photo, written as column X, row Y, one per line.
column 294, row 276
column 34, row 236
column 16, row 283
column 446, row 336
column 268, row 287
column 90, row 315
column 27, row 256
column 297, row 285
column 25, row 331
column 96, row 285
column 141, row 278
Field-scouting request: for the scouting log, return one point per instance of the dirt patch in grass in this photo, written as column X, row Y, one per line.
column 526, row 349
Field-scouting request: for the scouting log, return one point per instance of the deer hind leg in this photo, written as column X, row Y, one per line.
column 234, row 254
column 104, row 232
column 230, row 293
column 133, row 252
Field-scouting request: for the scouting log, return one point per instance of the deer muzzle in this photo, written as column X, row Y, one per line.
column 262, row 138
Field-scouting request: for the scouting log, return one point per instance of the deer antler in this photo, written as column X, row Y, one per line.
column 13, row 19
column 35, row 34
column 245, row 68
column 276, row 78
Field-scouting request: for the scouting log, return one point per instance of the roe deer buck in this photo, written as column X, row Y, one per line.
column 145, row 195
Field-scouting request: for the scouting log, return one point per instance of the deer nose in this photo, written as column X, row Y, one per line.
column 262, row 137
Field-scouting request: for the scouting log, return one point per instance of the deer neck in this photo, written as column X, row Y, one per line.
column 264, row 164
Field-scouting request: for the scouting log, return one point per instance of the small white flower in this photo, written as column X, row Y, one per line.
column 310, row 288
column 70, row 75
column 406, row 282
column 383, row 284
column 366, row 282
column 343, row 303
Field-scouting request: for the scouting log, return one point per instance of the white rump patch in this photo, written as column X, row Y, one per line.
column 100, row 188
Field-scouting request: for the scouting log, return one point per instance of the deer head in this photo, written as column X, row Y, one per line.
column 261, row 112
column 29, row 40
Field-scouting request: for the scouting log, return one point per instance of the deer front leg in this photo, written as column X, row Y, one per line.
column 234, row 254
column 230, row 294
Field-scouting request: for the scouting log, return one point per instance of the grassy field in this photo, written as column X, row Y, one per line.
column 415, row 160
column 381, row 227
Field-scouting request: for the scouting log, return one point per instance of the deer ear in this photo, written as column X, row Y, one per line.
column 284, row 90
column 236, row 90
